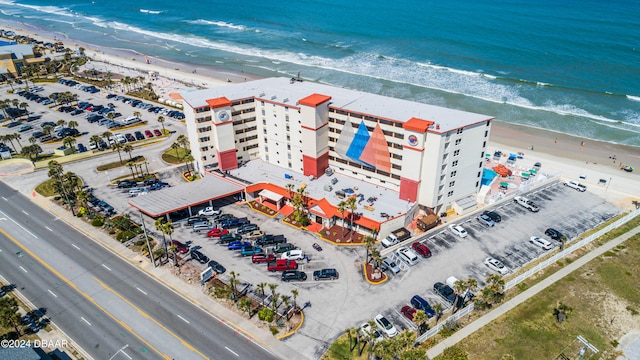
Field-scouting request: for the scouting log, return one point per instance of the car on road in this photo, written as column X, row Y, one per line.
column 180, row 247
column 554, row 234
column 293, row 275
column 199, row 257
column 445, row 291
column 369, row 332
column 209, row 211
column 526, row 203
column 458, row 230
column 421, row 249
column 486, row 220
column 217, row 267
column 389, row 264
column 326, row 274
column 293, row 255
column 408, row 311
column 493, row 216
column 575, row 185
column 386, row 326
column 421, row 304
column 237, row 245
column 262, row 258
column 540, row 242
column 408, row 255
column 496, row 265
column 215, row 232
column 250, row 250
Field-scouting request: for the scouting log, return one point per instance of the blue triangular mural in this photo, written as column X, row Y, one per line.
column 360, row 140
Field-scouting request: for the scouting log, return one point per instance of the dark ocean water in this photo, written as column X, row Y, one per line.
column 566, row 65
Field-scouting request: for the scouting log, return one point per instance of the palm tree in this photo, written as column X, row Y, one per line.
column 261, row 287
column 95, row 139
column 4, row 105
column 245, row 305
column 128, row 149
column 349, row 332
column 342, row 206
column 17, row 137
column 352, row 206
column 72, row 124
column 437, row 308
column 33, row 140
column 107, row 136
column 10, row 137
column 130, row 165
column 32, row 151
column 183, row 140
column 233, row 281
column 61, row 122
column 459, row 287
column 294, row 294
column 83, row 197
column 161, row 121
column 420, row 318
column 369, row 240
column 188, row 160
column 24, row 106
column 159, row 225
column 286, row 301
column 117, row 146
column 275, row 298
column 69, row 141
column 175, row 146
column 47, row 129
column 137, row 114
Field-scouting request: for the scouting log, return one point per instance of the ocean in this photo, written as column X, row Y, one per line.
column 570, row 66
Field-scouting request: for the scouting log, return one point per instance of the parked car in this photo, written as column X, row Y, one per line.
column 445, row 291
column 247, row 228
column 293, row 275
column 389, row 264
column 271, row 239
column 129, row 137
column 262, row 258
column 493, row 216
column 386, row 326
column 575, row 185
column 215, row 232
column 486, row 220
column 282, row 265
column 421, row 249
column 227, row 238
column 554, row 234
column 209, row 211
column 24, row 128
column 148, row 133
column 293, row 255
column 526, row 203
column 139, row 135
column 540, row 242
column 250, row 250
column 125, row 184
column 180, row 247
column 496, row 265
column 194, row 219
column 458, row 230
column 421, row 304
column 408, row 255
column 237, row 245
column 199, row 257
column 157, row 132
column 255, row 234
column 368, row 332
column 408, row 311
column 283, row 248
column 217, row 267
column 325, row 274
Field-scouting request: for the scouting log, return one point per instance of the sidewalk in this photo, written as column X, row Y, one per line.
column 191, row 292
column 525, row 295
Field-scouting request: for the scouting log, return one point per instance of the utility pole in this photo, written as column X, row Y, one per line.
column 146, row 237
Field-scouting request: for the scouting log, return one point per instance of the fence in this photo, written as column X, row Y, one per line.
column 522, row 277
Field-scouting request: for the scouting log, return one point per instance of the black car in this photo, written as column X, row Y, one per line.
column 215, row 266
column 325, row 274
column 37, row 134
column 125, row 184
column 139, row 135
column 493, row 216
column 199, row 257
column 194, row 219
column 76, row 112
column 554, row 234
column 48, row 123
column 14, row 124
column 129, row 137
column 271, row 240
column 293, row 275
column 106, row 207
column 445, row 291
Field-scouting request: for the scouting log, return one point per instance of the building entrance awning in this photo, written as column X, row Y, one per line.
column 271, row 195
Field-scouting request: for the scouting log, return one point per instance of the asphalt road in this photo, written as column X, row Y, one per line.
column 100, row 300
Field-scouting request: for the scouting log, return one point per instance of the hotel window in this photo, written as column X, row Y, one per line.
column 204, row 148
column 203, row 139
column 264, row 131
column 452, row 184
column 289, row 164
column 288, row 138
column 289, row 156
column 450, row 194
column 266, row 157
column 263, row 112
column 479, row 173
column 288, row 147
column 265, row 140
column 286, row 118
column 454, row 163
column 484, row 144
column 456, row 153
column 266, row 149
column 459, row 131
column 453, row 174
column 480, row 166
column 477, row 183
column 288, row 128
column 486, row 133
column 458, row 141
column 264, row 121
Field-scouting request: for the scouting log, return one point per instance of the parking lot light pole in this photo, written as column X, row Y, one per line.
column 609, row 183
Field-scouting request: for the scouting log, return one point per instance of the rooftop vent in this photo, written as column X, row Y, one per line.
column 261, row 94
column 273, row 97
column 285, row 100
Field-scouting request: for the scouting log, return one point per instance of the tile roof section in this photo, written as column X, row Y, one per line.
column 219, row 102
column 417, row 125
column 314, row 100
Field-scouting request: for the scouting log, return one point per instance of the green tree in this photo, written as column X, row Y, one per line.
column 107, row 136
column 69, row 141
column 95, row 139
column 245, row 306
column 352, row 206
column 342, row 207
column 117, row 146
column 420, row 319
column 32, row 151
column 10, row 314
column 72, row 124
column 294, row 295
column 437, row 308
column 161, row 121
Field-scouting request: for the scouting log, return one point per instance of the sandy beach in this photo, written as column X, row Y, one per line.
column 570, row 156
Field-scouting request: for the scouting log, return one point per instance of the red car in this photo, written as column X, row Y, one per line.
column 408, row 311
column 180, row 247
column 421, row 249
column 157, row 132
column 215, row 232
column 262, row 258
column 148, row 133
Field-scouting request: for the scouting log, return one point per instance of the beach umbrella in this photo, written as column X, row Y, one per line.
column 533, row 171
column 504, row 184
column 524, row 174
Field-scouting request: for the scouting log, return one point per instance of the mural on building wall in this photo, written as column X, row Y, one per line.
column 368, row 149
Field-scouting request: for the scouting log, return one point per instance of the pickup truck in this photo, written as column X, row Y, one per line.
column 526, row 203
column 251, row 250
column 262, row 258
column 396, row 237
column 282, row 265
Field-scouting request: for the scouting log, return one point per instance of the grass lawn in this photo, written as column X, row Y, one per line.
column 605, row 303
column 46, row 188
column 339, row 350
column 170, row 155
column 117, row 164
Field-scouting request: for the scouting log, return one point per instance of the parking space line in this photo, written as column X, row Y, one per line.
column 23, row 269
column 183, row 319
column 142, row 291
column 106, row 267
column 75, row 246
column 85, row 320
column 51, row 292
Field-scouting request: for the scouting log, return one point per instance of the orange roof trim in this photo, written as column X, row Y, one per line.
column 417, row 125
column 314, row 100
column 219, row 102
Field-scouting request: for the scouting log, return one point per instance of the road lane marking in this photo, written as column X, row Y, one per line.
column 86, row 296
column 187, row 345
column 75, row 246
column 127, row 355
column 4, row 198
column 26, row 213
column 106, row 267
column 85, row 320
column 51, row 292
column 183, row 319
column 23, row 269
column 48, row 228
column 141, row 290
column 231, row 351
column 21, row 227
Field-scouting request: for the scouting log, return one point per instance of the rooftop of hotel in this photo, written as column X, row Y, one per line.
column 284, row 91
column 387, row 200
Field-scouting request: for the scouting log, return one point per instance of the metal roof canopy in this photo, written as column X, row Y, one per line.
column 210, row 187
column 271, row 195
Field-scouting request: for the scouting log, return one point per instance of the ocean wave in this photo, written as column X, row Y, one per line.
column 45, row 9
column 154, row 12
column 217, row 23
column 633, row 98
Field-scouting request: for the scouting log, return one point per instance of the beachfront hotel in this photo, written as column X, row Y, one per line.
column 411, row 153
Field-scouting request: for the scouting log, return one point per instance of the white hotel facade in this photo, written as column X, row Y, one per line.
column 427, row 154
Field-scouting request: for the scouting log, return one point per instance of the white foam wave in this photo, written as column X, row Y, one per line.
column 46, row 9
column 633, row 98
column 154, row 12
column 217, row 23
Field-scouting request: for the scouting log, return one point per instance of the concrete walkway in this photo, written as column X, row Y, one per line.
column 525, row 295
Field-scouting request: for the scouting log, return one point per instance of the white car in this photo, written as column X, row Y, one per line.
column 458, row 230
column 367, row 331
column 496, row 265
column 575, row 185
column 209, row 211
column 540, row 242
column 386, row 326
column 293, row 255
column 408, row 255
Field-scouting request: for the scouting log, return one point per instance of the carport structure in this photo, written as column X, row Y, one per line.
column 163, row 203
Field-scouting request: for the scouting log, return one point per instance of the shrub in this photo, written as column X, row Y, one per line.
column 125, row 236
column 97, row 221
column 140, row 243
column 266, row 314
column 274, row 330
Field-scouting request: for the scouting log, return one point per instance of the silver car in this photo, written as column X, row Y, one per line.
column 485, row 220
column 389, row 264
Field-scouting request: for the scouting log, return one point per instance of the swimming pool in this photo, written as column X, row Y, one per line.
column 487, row 176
